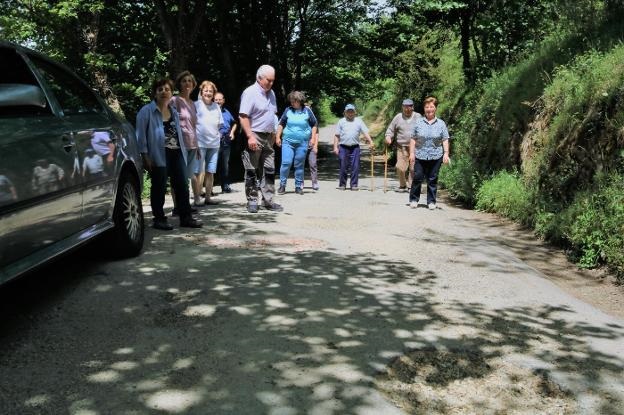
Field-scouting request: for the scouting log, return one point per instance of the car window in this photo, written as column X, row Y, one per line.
column 15, row 71
column 73, row 96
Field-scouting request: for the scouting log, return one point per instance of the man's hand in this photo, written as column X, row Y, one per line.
column 252, row 143
column 388, row 140
column 336, row 150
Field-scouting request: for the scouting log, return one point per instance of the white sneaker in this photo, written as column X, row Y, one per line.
column 432, row 206
column 198, row 201
column 413, row 205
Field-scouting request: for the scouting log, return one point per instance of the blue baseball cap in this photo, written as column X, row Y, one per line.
column 408, row 102
column 349, row 107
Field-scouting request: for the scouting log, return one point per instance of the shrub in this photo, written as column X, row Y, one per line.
column 506, row 194
column 594, row 224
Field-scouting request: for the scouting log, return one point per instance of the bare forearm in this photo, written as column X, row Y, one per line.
column 246, row 126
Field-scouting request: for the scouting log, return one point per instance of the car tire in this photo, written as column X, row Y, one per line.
column 128, row 234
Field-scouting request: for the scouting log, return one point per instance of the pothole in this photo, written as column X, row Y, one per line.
column 431, row 381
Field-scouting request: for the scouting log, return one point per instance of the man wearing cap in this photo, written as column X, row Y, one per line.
column 347, row 146
column 400, row 130
column 257, row 119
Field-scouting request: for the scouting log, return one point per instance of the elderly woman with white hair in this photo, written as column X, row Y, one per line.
column 296, row 126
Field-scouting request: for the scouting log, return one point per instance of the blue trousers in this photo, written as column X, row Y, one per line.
column 223, row 165
column 293, row 153
column 425, row 170
column 349, row 159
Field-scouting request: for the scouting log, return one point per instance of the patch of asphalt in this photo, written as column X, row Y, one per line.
column 307, row 311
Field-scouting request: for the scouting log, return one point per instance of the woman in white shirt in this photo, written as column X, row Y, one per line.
column 209, row 120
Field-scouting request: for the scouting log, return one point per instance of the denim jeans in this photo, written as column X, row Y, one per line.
column 349, row 159
column 425, row 170
column 293, row 152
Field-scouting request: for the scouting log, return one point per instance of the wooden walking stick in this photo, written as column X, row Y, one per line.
column 386, row 171
column 372, row 169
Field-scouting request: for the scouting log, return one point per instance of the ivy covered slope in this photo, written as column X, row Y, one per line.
column 542, row 142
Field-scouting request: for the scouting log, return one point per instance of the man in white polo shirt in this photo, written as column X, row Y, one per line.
column 257, row 118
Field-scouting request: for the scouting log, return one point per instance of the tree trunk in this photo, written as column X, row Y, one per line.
column 465, row 34
column 99, row 77
column 180, row 28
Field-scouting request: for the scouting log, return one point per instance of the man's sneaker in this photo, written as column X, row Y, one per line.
column 226, row 189
column 403, row 189
column 413, row 204
column 252, row 207
column 162, row 224
column 281, row 190
column 342, row 187
column 273, row 206
column 431, row 206
column 198, row 201
column 299, row 190
column 315, row 187
column 355, row 188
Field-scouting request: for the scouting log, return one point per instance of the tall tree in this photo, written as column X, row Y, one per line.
column 180, row 22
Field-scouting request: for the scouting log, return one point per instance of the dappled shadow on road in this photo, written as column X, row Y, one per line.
column 236, row 321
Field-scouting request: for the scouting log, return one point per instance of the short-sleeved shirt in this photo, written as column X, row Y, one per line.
column 348, row 132
column 188, row 121
column 100, row 142
column 297, row 124
column 260, row 106
column 429, row 137
column 209, row 120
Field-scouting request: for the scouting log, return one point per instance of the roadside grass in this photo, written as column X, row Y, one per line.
column 506, row 194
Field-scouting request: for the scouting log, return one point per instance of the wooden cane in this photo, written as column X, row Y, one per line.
column 372, row 169
column 386, row 171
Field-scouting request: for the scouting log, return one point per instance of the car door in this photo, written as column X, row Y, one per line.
column 37, row 160
column 95, row 138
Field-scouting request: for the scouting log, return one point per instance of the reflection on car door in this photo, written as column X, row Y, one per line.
column 37, row 155
column 94, row 136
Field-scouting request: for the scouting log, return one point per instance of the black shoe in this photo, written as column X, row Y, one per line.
column 190, row 223
column 299, row 190
column 273, row 206
column 226, row 190
column 252, row 207
column 162, row 225
column 281, row 190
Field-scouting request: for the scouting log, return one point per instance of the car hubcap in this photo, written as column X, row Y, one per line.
column 131, row 212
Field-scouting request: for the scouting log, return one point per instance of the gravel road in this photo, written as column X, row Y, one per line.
column 345, row 303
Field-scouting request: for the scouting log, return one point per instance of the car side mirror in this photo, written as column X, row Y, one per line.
column 12, row 95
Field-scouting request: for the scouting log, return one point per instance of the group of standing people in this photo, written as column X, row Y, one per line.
column 180, row 139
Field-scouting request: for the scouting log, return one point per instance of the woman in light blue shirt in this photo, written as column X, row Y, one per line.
column 297, row 125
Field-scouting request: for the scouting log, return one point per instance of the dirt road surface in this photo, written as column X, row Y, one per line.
column 345, row 303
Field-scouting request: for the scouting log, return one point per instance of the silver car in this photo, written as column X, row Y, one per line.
column 69, row 166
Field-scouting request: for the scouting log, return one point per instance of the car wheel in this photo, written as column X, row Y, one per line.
column 129, row 228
